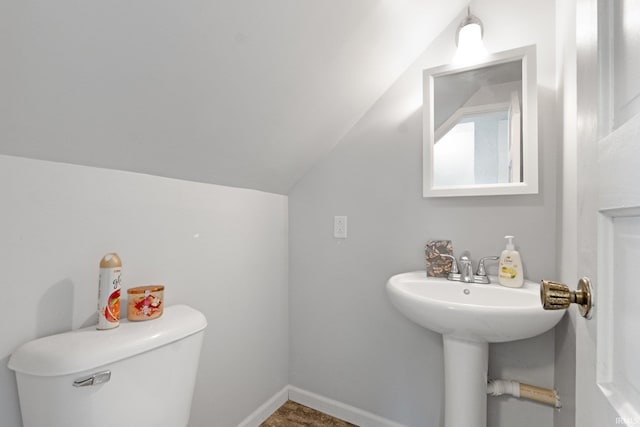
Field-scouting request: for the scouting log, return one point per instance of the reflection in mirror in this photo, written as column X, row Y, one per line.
column 481, row 127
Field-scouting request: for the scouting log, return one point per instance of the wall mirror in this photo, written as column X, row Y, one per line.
column 480, row 127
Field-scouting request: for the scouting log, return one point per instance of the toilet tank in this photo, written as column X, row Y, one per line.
column 139, row 374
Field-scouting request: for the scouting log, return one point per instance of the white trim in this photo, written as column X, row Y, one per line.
column 338, row 409
column 529, row 113
column 319, row 403
column 266, row 409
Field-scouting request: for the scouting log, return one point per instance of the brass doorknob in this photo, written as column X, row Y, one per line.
column 557, row 296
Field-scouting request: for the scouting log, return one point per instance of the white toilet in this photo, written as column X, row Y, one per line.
column 138, row 374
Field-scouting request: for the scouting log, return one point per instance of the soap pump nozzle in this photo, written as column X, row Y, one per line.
column 510, row 245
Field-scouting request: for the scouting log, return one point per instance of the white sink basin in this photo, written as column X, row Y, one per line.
column 491, row 313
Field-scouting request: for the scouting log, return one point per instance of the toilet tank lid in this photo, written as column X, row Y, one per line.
column 88, row 348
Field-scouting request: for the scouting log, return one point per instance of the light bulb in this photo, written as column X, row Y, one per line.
column 470, row 46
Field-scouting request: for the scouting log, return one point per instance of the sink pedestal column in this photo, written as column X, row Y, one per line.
column 466, row 364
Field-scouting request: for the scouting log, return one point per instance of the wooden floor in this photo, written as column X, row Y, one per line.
column 293, row 414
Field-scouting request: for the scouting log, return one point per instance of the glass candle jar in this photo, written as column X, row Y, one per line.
column 145, row 302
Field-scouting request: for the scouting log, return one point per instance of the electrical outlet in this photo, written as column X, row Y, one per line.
column 340, row 227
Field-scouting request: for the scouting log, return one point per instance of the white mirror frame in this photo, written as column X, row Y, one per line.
column 529, row 184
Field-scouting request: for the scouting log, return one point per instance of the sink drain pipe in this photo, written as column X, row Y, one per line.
column 524, row 391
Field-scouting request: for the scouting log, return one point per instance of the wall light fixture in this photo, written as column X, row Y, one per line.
column 469, row 40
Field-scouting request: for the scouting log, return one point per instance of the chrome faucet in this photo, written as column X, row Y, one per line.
column 464, row 272
column 481, row 273
column 466, row 269
column 454, row 265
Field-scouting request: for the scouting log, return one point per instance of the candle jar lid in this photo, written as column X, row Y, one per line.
column 143, row 289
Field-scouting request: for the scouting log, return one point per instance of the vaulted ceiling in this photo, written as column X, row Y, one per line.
column 246, row 93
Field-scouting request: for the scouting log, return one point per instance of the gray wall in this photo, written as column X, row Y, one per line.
column 347, row 342
column 221, row 250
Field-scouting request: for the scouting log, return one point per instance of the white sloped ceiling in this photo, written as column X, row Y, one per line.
column 246, row 93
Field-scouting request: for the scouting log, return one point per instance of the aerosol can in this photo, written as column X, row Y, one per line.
column 109, row 292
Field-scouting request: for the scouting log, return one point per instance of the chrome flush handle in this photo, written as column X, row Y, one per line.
column 93, row 379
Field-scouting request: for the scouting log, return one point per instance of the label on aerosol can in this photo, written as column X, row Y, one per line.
column 109, row 291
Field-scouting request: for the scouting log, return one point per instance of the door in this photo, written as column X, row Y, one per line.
column 608, row 218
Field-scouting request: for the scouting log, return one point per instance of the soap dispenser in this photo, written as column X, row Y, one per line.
column 510, row 271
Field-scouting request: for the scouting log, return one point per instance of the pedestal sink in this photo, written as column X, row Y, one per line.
column 469, row 316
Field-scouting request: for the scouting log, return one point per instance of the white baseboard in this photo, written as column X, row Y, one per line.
column 266, row 409
column 338, row 409
column 319, row 403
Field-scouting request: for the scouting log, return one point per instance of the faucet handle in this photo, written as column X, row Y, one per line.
column 481, row 269
column 454, row 263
